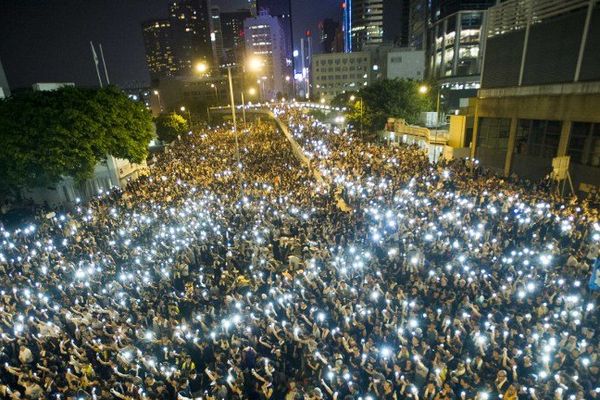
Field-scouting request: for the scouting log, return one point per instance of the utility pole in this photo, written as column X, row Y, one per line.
column 232, row 100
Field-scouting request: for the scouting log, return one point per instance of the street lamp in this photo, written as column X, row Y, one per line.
column 352, row 98
column 202, row 67
column 252, row 91
column 212, row 85
column 183, row 109
column 254, row 63
column 157, row 94
column 423, row 89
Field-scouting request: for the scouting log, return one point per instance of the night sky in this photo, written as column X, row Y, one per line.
column 48, row 40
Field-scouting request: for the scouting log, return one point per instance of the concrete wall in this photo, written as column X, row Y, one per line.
column 406, row 64
column 107, row 174
column 567, row 108
column 552, row 51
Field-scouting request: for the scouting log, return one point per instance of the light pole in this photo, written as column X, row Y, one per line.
column 212, row 85
column 183, row 109
column 243, row 107
column 352, row 98
column 232, row 101
column 253, row 64
column 423, row 89
column 157, row 94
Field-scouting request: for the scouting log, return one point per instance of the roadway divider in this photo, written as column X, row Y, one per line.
column 301, row 156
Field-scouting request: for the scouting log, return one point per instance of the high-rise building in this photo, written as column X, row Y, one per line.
column 395, row 22
column 404, row 36
column 367, row 23
column 265, row 39
column 191, row 31
column 4, row 89
column 418, row 17
column 328, row 29
column 232, row 25
column 346, row 6
column 455, row 48
column 282, row 9
column 158, row 42
column 216, row 36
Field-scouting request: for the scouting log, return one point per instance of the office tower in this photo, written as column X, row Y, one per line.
column 191, row 28
column 347, row 24
column 367, row 23
column 216, row 36
column 404, row 37
column 418, row 16
column 306, row 51
column 232, row 25
column 159, row 49
column 328, row 29
column 455, row 47
column 265, row 39
column 395, row 21
column 282, row 9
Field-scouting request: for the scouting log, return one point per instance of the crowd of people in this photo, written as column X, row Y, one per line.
column 229, row 274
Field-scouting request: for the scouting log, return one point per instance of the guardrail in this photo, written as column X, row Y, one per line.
column 400, row 127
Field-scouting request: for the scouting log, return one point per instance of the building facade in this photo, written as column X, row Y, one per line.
column 405, row 63
column 328, row 29
column 337, row 73
column 232, row 25
column 418, row 20
column 158, row 43
column 281, row 9
column 540, row 92
column 216, row 36
column 456, row 44
column 191, row 33
column 265, row 39
column 366, row 23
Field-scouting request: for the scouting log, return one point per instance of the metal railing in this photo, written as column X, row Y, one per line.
column 514, row 15
column 400, row 127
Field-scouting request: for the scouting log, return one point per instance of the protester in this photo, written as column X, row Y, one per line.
column 215, row 279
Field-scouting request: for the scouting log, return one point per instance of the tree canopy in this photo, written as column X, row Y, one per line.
column 49, row 135
column 399, row 98
column 169, row 126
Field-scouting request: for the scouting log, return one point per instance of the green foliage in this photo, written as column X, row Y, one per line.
column 169, row 126
column 66, row 132
column 372, row 105
column 343, row 99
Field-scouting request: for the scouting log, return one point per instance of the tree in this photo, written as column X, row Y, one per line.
column 49, row 135
column 374, row 104
column 169, row 126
